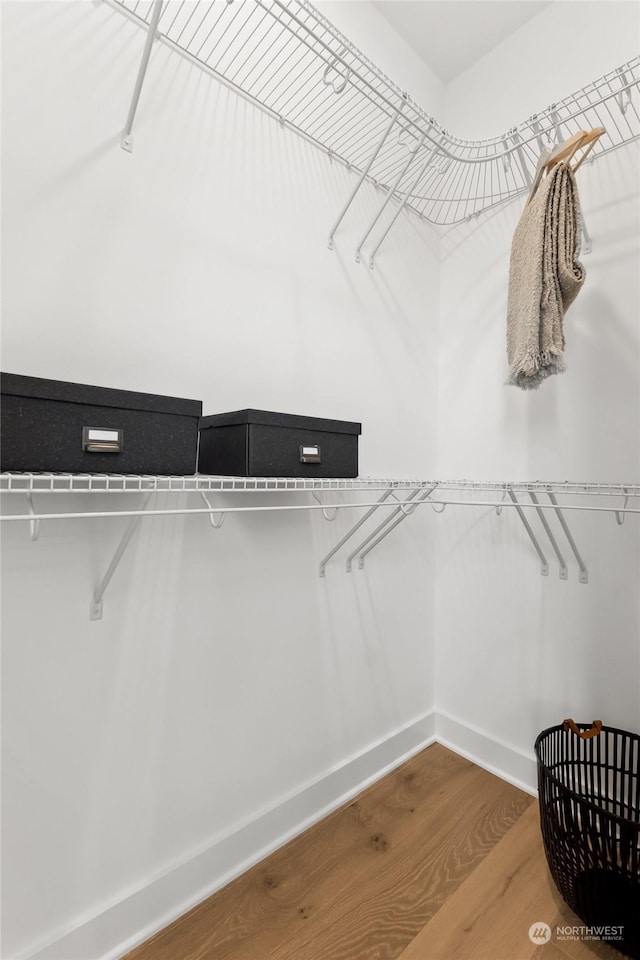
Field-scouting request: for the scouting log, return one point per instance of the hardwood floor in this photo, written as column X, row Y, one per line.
column 440, row 860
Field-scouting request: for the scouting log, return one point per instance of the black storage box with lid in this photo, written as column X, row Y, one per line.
column 58, row 427
column 261, row 443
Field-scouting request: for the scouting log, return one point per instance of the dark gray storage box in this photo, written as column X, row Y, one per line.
column 58, row 427
column 260, row 443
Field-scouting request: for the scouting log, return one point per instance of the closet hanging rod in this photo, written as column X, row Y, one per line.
column 286, row 58
column 278, row 508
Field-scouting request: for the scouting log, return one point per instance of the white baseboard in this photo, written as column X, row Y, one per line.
column 504, row 761
column 122, row 925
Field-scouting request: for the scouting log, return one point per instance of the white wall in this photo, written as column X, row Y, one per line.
column 524, row 651
column 364, row 25
column 566, row 46
column 225, row 675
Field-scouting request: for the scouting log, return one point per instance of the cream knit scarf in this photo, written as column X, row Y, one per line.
column 544, row 279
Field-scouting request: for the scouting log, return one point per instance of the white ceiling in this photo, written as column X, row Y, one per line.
column 450, row 35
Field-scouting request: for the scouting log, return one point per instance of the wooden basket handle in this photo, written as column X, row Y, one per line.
column 584, row 734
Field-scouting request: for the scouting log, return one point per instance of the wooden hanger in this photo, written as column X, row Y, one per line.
column 565, row 151
column 589, row 141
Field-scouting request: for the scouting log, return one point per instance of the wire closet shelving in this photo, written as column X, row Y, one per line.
column 290, row 61
column 403, row 497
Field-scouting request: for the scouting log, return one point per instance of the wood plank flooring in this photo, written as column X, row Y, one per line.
column 439, row 860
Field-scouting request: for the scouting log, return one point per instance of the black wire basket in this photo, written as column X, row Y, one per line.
column 589, row 792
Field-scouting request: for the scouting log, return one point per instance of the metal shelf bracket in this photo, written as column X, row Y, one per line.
column 406, row 196
column 388, row 524
column 544, row 565
column 564, row 574
column 363, row 175
column 624, row 97
column 34, row 525
column 620, row 514
column 587, row 242
column 329, row 514
column 517, row 142
column 500, row 505
column 397, row 512
column 216, row 518
column 95, row 608
column 356, row 526
column 338, row 86
column 126, row 139
column 583, row 575
column 390, row 193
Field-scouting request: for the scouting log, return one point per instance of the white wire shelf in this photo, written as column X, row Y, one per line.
column 403, row 497
column 495, row 490
column 121, row 483
column 561, row 487
column 290, row 61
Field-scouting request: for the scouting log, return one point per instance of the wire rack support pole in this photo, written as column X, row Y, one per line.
column 126, row 140
column 400, row 513
column 390, row 193
column 394, row 513
column 583, row 576
column 404, row 513
column 536, row 126
column 356, row 526
column 587, row 245
column 544, row 566
column 564, row 574
column 624, row 97
column 364, row 173
column 620, row 513
column 34, row 524
column 407, row 194
column 517, row 140
column 95, row 609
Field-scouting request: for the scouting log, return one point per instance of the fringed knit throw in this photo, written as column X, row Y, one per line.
column 544, row 279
